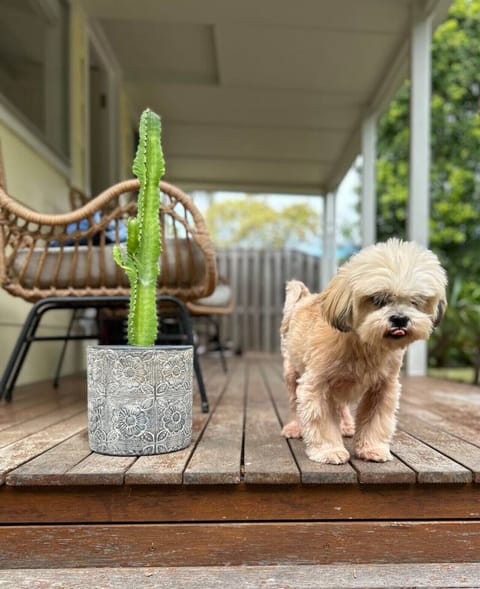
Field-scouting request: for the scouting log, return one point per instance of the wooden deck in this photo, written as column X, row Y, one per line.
column 241, row 494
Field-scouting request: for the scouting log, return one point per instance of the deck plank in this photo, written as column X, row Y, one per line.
column 382, row 473
column 373, row 576
column 454, row 401
column 268, row 458
column 99, row 469
column 50, row 467
column 26, row 428
column 232, row 543
column 64, row 506
column 430, row 465
column 167, row 469
column 27, row 448
column 217, row 457
column 454, row 393
column 438, row 439
column 311, row 472
column 23, row 410
column 220, row 503
column 455, row 448
column 469, row 434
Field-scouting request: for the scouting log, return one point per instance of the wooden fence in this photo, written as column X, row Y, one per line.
column 258, row 280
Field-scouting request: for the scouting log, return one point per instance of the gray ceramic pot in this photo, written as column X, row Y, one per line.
column 139, row 399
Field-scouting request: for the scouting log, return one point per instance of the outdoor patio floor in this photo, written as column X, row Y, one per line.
column 240, row 494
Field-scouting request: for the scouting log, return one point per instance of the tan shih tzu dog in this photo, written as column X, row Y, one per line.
column 347, row 344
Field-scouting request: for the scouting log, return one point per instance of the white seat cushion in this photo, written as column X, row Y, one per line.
column 82, row 266
column 220, row 297
column 58, row 271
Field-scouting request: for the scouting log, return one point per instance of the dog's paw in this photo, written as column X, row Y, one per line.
column 324, row 455
column 292, row 430
column 380, row 453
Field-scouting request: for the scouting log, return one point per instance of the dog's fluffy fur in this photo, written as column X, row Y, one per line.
column 347, row 343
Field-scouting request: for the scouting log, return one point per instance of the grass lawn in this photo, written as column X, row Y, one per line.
column 463, row 374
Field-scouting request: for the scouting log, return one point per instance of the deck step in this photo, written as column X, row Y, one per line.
column 251, row 577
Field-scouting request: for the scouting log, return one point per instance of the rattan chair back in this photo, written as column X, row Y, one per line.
column 70, row 254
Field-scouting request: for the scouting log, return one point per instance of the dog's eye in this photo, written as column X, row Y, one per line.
column 379, row 300
column 417, row 303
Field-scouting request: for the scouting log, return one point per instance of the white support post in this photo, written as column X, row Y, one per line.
column 419, row 192
column 369, row 201
column 329, row 250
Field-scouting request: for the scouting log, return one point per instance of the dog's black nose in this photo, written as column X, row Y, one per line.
column 398, row 320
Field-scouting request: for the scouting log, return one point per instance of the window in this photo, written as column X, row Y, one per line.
column 34, row 67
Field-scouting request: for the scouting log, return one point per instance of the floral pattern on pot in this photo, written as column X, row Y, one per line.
column 171, row 374
column 96, row 414
column 131, row 371
column 174, row 417
column 139, row 399
column 130, row 421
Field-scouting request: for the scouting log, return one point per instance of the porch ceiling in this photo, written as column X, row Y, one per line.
column 260, row 95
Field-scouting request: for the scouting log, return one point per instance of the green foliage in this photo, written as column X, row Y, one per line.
column 458, row 373
column 141, row 260
column 253, row 222
column 455, row 142
column 455, row 165
column 457, row 341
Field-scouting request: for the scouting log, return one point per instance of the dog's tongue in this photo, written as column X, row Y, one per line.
column 398, row 332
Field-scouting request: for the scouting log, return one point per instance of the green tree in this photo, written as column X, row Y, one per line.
column 455, row 152
column 251, row 221
column 455, row 143
column 458, row 341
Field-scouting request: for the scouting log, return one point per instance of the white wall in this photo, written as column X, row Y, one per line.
column 35, row 182
column 40, row 180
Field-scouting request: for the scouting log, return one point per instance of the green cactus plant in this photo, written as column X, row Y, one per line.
column 141, row 260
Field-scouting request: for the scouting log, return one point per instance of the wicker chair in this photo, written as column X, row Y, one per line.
column 65, row 261
column 212, row 308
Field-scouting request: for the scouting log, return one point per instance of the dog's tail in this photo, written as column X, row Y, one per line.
column 295, row 291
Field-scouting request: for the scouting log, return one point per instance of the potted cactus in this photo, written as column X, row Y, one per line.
column 140, row 395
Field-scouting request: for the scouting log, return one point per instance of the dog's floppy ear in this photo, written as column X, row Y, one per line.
column 336, row 303
column 442, row 305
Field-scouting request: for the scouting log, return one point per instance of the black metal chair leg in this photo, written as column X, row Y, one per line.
column 28, row 331
column 218, row 340
column 188, row 330
column 64, row 349
column 27, row 337
column 201, row 384
column 187, row 323
column 19, row 353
